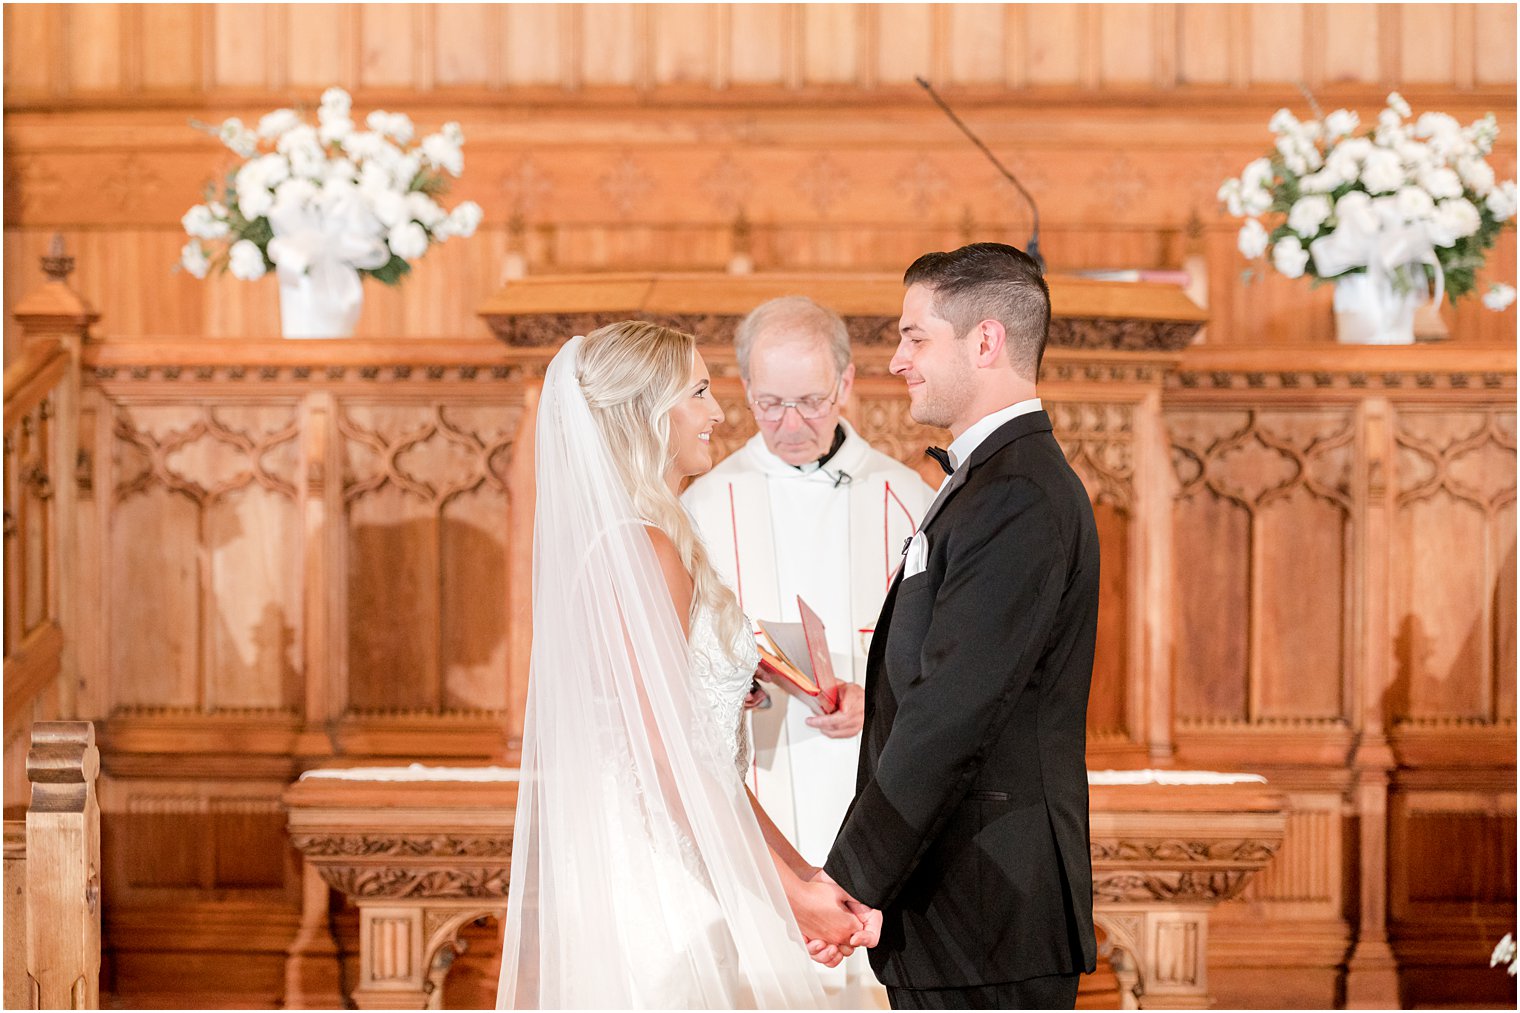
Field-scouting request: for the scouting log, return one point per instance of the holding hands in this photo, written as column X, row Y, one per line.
column 833, row 923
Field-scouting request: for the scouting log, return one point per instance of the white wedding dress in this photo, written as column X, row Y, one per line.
column 640, row 878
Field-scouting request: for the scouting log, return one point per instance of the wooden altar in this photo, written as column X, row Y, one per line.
column 423, row 858
column 265, row 556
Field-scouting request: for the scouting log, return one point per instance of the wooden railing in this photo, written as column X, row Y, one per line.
column 52, row 875
column 41, row 448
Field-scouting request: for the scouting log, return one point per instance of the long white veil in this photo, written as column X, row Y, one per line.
column 639, row 875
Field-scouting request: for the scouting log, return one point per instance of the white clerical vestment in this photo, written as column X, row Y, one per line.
column 834, row 535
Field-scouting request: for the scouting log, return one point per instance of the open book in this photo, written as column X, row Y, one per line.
column 795, row 656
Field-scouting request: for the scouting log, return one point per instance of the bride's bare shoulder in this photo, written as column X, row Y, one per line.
column 677, row 579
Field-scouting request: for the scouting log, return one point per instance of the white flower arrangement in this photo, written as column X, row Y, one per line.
column 1504, row 953
column 1413, row 200
column 329, row 201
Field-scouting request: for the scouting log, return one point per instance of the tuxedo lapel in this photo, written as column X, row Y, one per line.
column 1013, row 429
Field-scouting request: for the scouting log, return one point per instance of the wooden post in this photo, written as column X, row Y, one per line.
column 1372, row 971
column 18, row 992
column 63, row 867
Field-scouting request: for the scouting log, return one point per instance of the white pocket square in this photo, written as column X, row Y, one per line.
column 917, row 556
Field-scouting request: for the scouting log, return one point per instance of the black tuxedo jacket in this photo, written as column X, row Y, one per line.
column 969, row 826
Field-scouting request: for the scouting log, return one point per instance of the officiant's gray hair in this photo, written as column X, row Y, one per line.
column 797, row 314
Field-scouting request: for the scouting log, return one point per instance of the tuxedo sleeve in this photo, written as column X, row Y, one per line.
column 992, row 614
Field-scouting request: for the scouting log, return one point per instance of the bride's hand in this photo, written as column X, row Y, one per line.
column 822, row 913
column 826, row 954
column 870, row 918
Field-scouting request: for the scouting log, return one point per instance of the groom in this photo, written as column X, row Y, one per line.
column 969, row 825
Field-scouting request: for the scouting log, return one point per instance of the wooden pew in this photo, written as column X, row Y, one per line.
column 52, row 875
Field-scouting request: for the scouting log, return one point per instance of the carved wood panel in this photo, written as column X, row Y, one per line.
column 1454, row 553
column 1263, row 532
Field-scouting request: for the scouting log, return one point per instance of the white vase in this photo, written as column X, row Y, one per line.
column 1369, row 311
column 308, row 312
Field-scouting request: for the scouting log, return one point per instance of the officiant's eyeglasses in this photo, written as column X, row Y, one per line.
column 770, row 409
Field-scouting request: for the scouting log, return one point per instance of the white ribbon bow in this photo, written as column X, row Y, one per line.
column 330, row 245
column 1384, row 252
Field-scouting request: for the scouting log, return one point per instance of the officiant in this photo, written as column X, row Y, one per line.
column 806, row 507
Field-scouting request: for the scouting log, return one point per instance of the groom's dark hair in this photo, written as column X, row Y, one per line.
column 990, row 281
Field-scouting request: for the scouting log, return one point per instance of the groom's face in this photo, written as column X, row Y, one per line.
column 934, row 361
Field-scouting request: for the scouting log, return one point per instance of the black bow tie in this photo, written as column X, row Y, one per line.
column 942, row 458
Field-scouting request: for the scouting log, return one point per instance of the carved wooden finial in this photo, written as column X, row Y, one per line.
column 56, row 265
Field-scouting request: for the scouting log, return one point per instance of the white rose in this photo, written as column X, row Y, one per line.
column 238, row 137
column 194, row 260
column 1398, row 105
column 1382, row 172
column 1415, row 204
column 301, row 137
column 274, row 124
column 1354, row 211
column 1324, row 181
column 1482, row 133
column 363, row 144
column 245, row 261
column 1229, row 196
column 340, row 169
column 288, row 256
column 295, row 193
column 1501, row 202
column 393, row 125
column 424, row 209
column 1257, row 202
column 462, row 221
column 407, row 240
column 438, row 150
column 1252, row 240
column 1436, row 125
column 389, row 206
column 404, row 170
column 1289, row 257
column 1257, row 173
column 338, row 100
column 1441, row 183
column 1498, row 297
column 1340, row 123
column 1455, row 219
column 1477, row 174
column 308, row 162
column 1283, row 122
column 254, row 201
column 1308, row 214
column 269, row 170
column 203, row 223
column 1292, row 157
column 334, row 128
column 454, row 135
column 1354, row 147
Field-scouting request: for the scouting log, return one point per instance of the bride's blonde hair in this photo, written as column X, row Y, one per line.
column 632, row 374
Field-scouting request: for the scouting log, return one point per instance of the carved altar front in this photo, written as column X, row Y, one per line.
column 421, row 859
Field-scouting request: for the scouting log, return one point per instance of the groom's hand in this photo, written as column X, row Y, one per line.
column 870, row 918
column 848, row 719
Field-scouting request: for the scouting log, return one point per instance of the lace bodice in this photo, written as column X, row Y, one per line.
column 724, row 683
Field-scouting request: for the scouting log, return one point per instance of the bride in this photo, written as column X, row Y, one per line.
column 643, row 873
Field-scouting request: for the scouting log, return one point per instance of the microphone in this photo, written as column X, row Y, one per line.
column 1033, row 246
column 843, row 478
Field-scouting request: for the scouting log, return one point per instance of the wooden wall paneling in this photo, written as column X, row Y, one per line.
column 390, row 34
column 613, row 44
column 1494, row 34
column 33, row 35
column 1205, row 44
column 531, row 49
column 905, row 42
column 96, row 35
column 1056, row 49
column 1427, row 47
column 831, row 43
column 975, row 47
column 171, row 48
column 322, row 43
column 1351, row 43
column 1128, row 44
column 241, row 47
column 683, row 42
column 757, row 44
